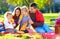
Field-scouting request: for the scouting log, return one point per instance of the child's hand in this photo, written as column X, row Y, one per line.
column 11, row 21
column 14, row 24
column 25, row 23
column 24, row 26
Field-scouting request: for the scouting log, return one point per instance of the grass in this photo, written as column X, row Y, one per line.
column 50, row 16
column 1, row 18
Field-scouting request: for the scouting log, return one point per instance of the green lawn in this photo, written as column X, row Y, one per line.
column 49, row 16
column 1, row 17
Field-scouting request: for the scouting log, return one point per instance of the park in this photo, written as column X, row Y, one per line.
column 51, row 13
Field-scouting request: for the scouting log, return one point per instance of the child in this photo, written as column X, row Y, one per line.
column 24, row 24
column 9, row 22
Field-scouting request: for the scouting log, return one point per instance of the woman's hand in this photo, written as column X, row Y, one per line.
column 19, row 21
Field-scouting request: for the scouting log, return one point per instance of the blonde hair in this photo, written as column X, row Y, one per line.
column 24, row 7
column 7, row 13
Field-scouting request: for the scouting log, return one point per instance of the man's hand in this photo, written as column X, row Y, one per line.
column 31, row 22
column 19, row 21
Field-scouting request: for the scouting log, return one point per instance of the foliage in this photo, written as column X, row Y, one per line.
column 42, row 3
column 3, row 6
column 19, row 2
column 14, row 2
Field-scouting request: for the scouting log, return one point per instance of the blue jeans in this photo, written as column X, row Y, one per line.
column 43, row 29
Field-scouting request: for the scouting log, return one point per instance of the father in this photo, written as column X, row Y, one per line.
column 37, row 19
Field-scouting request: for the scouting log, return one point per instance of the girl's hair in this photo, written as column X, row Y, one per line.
column 14, row 12
column 24, row 7
column 6, row 14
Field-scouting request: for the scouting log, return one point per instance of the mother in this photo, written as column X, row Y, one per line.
column 16, row 15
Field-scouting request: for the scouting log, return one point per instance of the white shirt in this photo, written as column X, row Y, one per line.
column 8, row 25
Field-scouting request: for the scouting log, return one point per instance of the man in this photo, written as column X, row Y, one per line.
column 37, row 19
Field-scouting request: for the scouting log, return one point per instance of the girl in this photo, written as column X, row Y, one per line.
column 24, row 24
column 9, row 22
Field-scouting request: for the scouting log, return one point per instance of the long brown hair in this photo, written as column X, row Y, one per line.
column 14, row 13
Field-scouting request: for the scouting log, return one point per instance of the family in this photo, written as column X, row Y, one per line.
column 25, row 18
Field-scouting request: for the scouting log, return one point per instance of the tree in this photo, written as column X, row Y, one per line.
column 3, row 6
column 19, row 2
column 14, row 2
column 42, row 3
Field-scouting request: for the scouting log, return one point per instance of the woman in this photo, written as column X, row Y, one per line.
column 16, row 15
